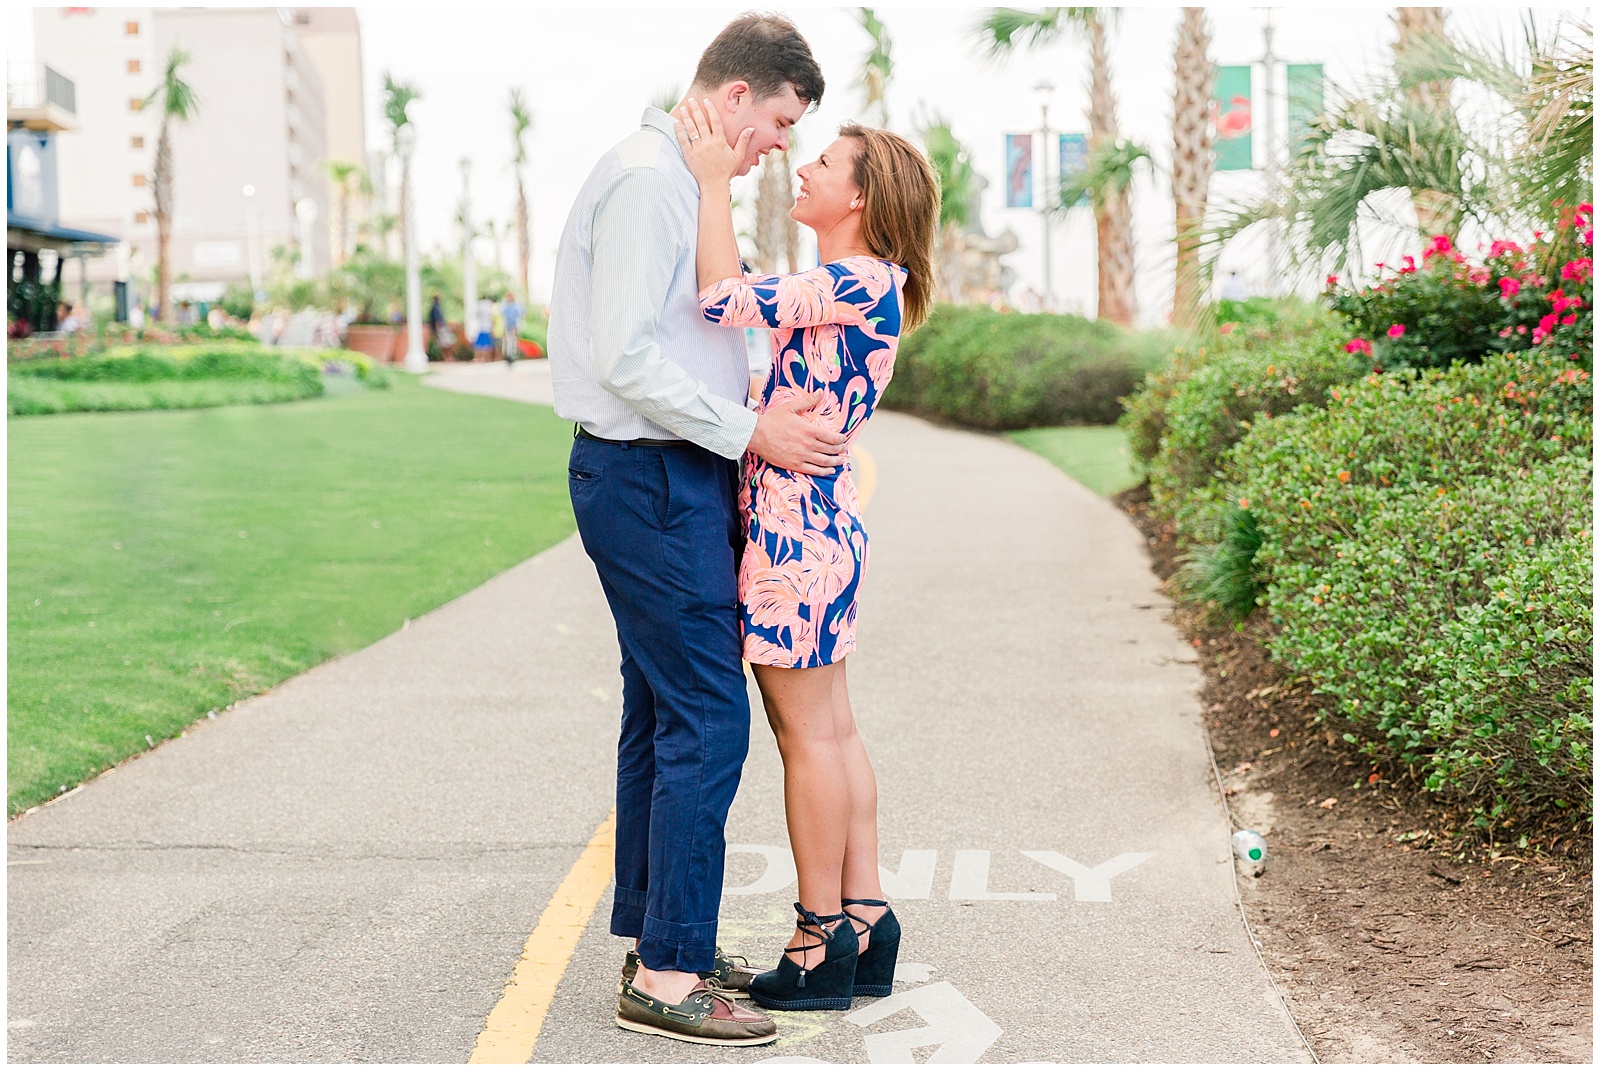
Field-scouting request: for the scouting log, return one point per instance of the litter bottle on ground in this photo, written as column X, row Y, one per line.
column 1251, row 850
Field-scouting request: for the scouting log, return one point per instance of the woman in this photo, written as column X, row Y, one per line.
column 873, row 201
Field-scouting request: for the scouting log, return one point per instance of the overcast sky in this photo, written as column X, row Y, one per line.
column 589, row 72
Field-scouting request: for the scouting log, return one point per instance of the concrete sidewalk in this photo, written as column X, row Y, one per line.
column 347, row 868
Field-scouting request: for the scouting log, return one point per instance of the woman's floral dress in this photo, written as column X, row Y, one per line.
column 835, row 331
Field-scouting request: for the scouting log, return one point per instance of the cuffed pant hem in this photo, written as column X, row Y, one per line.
column 627, row 912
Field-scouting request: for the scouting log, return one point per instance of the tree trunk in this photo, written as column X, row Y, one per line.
column 342, row 233
column 1191, row 159
column 774, row 199
column 1436, row 214
column 163, row 196
column 1113, row 218
column 524, row 239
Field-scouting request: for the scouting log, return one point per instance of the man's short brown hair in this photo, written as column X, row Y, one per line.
column 767, row 52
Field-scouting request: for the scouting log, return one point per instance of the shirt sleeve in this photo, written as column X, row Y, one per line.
column 834, row 293
column 637, row 239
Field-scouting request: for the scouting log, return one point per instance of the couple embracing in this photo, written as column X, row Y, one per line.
column 725, row 528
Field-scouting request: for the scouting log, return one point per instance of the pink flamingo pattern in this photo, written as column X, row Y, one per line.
column 835, row 330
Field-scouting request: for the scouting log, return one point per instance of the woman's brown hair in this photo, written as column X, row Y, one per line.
column 900, row 211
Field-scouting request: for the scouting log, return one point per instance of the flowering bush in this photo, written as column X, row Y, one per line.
column 1449, row 310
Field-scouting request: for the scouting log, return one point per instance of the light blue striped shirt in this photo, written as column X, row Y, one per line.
column 631, row 355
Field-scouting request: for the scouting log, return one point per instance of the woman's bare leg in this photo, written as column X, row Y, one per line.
column 816, row 790
column 860, row 879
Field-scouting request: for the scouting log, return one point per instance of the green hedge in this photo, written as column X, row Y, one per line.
column 178, row 377
column 1424, row 556
column 998, row 371
column 1188, row 418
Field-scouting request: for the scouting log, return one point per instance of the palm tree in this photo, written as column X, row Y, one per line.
column 178, row 101
column 957, row 185
column 341, row 172
column 1191, row 158
column 877, row 67
column 1002, row 32
column 521, row 121
column 397, row 98
column 777, row 236
column 1419, row 28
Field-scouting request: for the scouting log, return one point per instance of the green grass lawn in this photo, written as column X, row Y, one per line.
column 163, row 564
column 1096, row 457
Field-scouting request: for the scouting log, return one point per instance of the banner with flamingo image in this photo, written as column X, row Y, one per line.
column 1230, row 112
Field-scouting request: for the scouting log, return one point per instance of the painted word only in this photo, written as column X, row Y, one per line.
column 969, row 878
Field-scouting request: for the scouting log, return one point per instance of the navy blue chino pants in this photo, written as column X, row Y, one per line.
column 661, row 524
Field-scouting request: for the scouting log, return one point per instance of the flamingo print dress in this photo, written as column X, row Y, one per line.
column 835, row 331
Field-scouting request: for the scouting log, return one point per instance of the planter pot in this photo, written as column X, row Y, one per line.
column 397, row 350
column 374, row 340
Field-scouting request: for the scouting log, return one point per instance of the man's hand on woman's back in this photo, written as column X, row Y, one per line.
column 787, row 439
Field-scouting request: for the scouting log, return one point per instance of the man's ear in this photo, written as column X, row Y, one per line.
column 734, row 94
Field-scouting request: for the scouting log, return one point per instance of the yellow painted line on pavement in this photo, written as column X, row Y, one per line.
column 866, row 474
column 513, row 1026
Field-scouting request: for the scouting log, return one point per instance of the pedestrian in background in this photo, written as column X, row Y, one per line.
column 436, row 325
column 483, row 343
column 511, row 313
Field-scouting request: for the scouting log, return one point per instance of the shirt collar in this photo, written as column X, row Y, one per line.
column 656, row 119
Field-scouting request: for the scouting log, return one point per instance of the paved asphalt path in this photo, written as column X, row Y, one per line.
column 346, row 868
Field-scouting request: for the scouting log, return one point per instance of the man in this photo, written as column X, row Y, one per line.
column 512, row 312
column 659, row 397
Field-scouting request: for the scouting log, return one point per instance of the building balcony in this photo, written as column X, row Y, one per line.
column 40, row 98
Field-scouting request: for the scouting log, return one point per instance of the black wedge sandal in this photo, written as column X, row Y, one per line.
column 826, row 987
column 875, row 966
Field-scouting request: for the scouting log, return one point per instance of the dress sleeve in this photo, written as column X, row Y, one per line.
column 834, row 293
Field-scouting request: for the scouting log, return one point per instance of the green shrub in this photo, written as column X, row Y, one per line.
column 1425, row 542
column 40, row 395
column 147, row 364
column 1279, row 314
column 180, row 377
column 1219, row 402
column 1453, row 631
column 985, row 369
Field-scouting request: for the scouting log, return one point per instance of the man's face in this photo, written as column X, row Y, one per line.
column 772, row 117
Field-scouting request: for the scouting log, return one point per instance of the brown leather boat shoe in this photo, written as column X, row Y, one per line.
column 707, row 1016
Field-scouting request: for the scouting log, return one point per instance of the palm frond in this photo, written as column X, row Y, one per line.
column 178, row 98
column 521, row 121
column 667, row 98
column 1110, row 170
column 397, row 97
column 952, row 163
column 1002, row 31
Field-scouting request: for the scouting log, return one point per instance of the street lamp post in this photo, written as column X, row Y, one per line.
column 416, row 356
column 469, row 267
column 1046, row 203
column 252, row 240
column 1269, row 138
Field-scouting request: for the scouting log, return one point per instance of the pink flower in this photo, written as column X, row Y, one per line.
column 1332, row 281
column 1358, row 345
column 1396, row 330
column 1558, row 302
column 1578, row 271
column 1501, row 247
column 1410, row 266
column 1505, row 332
column 1441, row 245
column 1570, row 318
column 1509, row 287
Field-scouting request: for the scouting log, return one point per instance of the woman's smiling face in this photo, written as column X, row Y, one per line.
column 828, row 192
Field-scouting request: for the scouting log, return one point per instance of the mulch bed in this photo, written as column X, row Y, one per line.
column 1392, row 940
